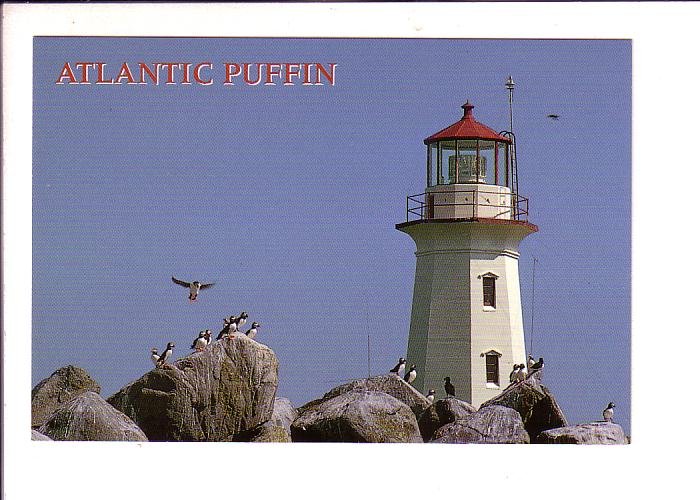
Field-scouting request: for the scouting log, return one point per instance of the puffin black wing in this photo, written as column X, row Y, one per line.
column 206, row 285
column 180, row 282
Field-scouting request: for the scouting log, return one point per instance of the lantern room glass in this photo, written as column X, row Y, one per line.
column 468, row 161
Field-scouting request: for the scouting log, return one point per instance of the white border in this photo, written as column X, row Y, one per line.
column 665, row 72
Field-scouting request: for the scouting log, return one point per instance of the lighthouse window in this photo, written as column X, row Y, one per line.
column 447, row 171
column 492, row 369
column 433, row 164
column 489, row 283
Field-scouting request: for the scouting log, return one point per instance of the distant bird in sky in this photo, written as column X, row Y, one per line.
column 200, row 342
column 411, row 375
column 431, row 395
column 608, row 412
column 253, row 330
column 399, row 368
column 155, row 356
column 194, row 287
column 449, row 388
column 553, row 116
column 166, row 354
column 537, row 365
column 514, row 373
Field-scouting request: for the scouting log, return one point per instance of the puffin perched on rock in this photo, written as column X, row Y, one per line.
column 399, row 368
column 609, row 412
column 200, row 342
column 166, row 354
column 538, row 365
column 411, row 375
column 449, row 388
column 194, row 287
column 514, row 374
column 155, row 356
column 431, row 395
column 253, row 330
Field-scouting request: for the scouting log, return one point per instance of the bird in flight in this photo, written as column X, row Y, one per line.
column 194, row 287
column 553, row 116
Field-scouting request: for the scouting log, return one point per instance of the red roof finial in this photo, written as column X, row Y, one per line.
column 467, row 107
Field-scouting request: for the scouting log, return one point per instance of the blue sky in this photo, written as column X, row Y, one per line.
column 287, row 197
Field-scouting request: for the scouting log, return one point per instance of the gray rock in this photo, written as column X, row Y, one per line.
column 88, row 417
column 389, row 384
column 593, row 433
column 38, row 436
column 267, row 432
column 357, row 416
column 60, row 387
column 535, row 404
column 283, row 413
column 211, row 395
column 443, row 412
column 489, row 425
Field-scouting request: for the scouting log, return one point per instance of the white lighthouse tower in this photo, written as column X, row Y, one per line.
column 466, row 320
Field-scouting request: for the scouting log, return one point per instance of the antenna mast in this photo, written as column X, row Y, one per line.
column 510, row 85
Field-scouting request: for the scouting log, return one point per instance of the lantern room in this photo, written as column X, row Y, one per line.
column 470, row 174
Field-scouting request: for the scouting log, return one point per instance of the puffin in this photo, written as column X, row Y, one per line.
column 449, row 388
column 194, row 287
column 237, row 322
column 253, row 330
column 200, row 342
column 530, row 361
column 155, row 356
column 514, row 374
column 399, row 368
column 538, row 365
column 166, row 354
column 431, row 395
column 522, row 373
column 207, row 336
column 411, row 375
column 608, row 412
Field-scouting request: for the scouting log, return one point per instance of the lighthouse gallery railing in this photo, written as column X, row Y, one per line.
column 423, row 206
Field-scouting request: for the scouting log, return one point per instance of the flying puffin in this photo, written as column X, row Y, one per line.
column 514, row 374
column 253, row 330
column 399, row 368
column 449, row 388
column 431, row 395
column 166, row 354
column 411, row 375
column 608, row 412
column 537, row 365
column 200, row 342
column 155, row 356
column 194, row 287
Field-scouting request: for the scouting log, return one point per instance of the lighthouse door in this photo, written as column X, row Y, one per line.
column 430, row 206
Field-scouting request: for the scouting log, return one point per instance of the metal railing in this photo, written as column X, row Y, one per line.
column 423, row 206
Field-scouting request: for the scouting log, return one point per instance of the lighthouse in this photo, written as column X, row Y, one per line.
column 466, row 317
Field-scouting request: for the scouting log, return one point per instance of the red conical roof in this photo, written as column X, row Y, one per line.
column 467, row 128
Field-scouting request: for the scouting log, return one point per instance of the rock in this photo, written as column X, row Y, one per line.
column 535, row 403
column 593, row 433
column 268, row 432
column 38, row 436
column 283, row 413
column 357, row 416
column 63, row 385
column 211, row 395
column 389, row 384
column 490, row 425
column 88, row 417
column 442, row 412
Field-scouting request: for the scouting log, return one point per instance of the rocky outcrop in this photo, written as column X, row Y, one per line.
column 63, row 385
column 38, row 436
column 212, row 395
column 283, row 413
column 389, row 384
column 88, row 417
column 535, row 404
column 443, row 412
column 357, row 416
column 593, row 433
column 490, row 425
column 268, row 432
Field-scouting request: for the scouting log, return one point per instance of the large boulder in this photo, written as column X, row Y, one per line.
column 535, row 404
column 88, row 417
column 38, row 436
column 60, row 387
column 390, row 384
column 357, row 416
column 267, row 432
column 443, row 412
column 593, row 433
column 489, row 425
column 283, row 413
column 211, row 395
